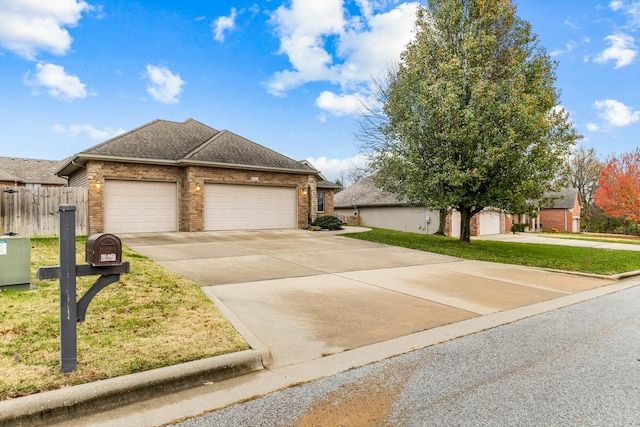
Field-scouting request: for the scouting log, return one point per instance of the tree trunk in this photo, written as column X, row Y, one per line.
column 465, row 224
column 442, row 223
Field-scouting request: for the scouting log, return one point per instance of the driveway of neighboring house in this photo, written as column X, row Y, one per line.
column 299, row 295
column 549, row 240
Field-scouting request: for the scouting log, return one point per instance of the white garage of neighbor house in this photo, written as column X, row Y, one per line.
column 379, row 208
column 172, row 176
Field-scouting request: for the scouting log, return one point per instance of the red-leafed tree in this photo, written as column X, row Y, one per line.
column 619, row 192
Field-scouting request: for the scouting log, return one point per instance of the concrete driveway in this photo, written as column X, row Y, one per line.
column 298, row 295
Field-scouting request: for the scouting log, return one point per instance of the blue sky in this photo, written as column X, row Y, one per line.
column 285, row 74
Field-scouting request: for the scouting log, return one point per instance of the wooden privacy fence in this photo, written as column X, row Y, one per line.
column 33, row 212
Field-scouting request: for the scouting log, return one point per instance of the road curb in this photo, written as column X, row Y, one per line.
column 57, row 405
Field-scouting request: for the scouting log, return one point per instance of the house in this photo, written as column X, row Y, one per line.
column 20, row 172
column 172, row 176
column 376, row 207
column 560, row 211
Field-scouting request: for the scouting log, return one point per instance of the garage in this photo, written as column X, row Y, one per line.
column 140, row 206
column 249, row 207
column 490, row 222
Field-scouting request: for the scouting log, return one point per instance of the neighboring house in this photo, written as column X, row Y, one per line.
column 560, row 211
column 171, row 176
column 376, row 207
column 19, row 172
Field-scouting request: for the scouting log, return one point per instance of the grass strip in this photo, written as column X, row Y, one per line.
column 568, row 258
column 151, row 318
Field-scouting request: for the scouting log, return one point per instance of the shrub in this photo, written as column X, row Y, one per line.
column 328, row 222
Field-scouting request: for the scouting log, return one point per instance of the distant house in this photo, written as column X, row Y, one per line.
column 187, row 176
column 20, row 172
column 376, row 207
column 560, row 211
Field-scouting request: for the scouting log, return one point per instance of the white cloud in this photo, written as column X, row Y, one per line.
column 165, row 86
column 89, row 130
column 339, row 105
column 338, row 168
column 323, row 43
column 622, row 50
column 616, row 5
column 616, row 113
column 29, row 26
column 222, row 24
column 568, row 48
column 57, row 82
column 592, row 127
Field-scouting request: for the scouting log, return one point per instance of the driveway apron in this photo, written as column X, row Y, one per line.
column 304, row 295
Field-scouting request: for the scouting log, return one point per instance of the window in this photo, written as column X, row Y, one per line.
column 320, row 201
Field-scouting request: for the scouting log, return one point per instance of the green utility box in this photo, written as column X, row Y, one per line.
column 15, row 263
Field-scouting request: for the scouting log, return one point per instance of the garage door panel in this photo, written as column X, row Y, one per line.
column 490, row 222
column 249, row 207
column 140, row 206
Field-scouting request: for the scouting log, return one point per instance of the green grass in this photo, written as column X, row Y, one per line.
column 568, row 258
column 149, row 319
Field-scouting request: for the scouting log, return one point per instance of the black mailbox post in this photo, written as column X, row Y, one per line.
column 104, row 258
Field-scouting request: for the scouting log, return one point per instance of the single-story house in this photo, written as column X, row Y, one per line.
column 20, row 172
column 375, row 207
column 560, row 210
column 170, row 176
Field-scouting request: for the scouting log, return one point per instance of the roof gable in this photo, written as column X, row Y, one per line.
column 159, row 139
column 563, row 199
column 229, row 148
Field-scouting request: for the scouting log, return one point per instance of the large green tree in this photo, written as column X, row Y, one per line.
column 469, row 117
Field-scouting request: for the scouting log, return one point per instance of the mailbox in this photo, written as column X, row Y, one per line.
column 103, row 249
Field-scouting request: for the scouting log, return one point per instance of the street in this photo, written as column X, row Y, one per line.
column 578, row 365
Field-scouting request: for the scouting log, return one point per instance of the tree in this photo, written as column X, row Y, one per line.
column 583, row 173
column 619, row 191
column 469, row 118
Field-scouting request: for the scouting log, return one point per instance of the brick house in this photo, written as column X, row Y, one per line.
column 561, row 211
column 379, row 208
column 171, row 176
column 20, row 172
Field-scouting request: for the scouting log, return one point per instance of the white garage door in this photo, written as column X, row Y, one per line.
column 249, row 207
column 490, row 222
column 140, row 206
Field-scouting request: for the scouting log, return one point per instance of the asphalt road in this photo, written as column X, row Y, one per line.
column 576, row 366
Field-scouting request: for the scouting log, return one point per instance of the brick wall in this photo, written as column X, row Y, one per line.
column 191, row 181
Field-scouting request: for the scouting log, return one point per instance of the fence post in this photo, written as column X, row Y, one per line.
column 68, row 316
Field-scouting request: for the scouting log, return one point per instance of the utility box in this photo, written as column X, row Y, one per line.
column 15, row 263
column 103, row 249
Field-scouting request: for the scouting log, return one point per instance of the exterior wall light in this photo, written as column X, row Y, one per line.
column 197, row 187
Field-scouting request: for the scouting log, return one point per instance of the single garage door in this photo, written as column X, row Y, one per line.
column 490, row 222
column 249, row 207
column 140, row 206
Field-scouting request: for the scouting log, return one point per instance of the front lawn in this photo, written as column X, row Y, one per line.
column 149, row 319
column 569, row 258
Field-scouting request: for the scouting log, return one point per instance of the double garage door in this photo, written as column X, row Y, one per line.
column 144, row 206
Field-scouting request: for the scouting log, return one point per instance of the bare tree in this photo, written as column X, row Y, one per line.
column 583, row 172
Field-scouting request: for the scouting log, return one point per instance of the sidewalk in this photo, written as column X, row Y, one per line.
column 543, row 240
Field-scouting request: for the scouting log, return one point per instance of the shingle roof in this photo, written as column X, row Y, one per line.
column 563, row 199
column 159, row 139
column 189, row 142
column 365, row 193
column 228, row 148
column 30, row 171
